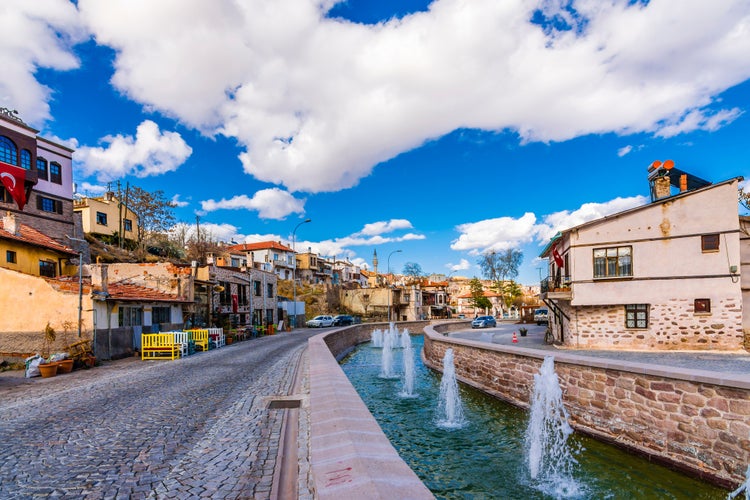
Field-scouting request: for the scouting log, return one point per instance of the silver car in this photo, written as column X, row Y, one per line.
column 320, row 321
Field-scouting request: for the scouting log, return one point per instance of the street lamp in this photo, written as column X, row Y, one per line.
column 388, row 269
column 294, row 271
column 80, row 283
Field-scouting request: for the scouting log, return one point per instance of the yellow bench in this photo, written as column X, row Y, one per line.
column 159, row 346
column 199, row 337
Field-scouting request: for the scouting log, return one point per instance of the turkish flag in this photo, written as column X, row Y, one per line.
column 235, row 304
column 14, row 179
column 558, row 258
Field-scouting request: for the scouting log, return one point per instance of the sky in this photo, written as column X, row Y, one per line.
column 442, row 129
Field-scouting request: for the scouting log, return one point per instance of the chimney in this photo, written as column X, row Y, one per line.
column 110, row 195
column 9, row 223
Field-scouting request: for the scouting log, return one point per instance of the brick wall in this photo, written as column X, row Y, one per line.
column 695, row 422
column 672, row 326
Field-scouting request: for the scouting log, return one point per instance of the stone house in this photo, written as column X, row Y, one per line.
column 666, row 275
column 269, row 256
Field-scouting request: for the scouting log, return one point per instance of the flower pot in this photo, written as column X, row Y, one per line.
column 48, row 370
column 65, row 366
column 229, row 340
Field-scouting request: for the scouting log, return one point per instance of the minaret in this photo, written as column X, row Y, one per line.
column 375, row 261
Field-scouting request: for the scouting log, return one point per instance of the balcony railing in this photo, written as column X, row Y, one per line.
column 551, row 284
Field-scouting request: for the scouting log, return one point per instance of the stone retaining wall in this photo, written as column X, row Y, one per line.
column 698, row 422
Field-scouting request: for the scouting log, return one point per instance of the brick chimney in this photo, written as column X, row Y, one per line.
column 9, row 223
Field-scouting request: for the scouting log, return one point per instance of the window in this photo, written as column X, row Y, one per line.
column 130, row 315
column 10, row 256
column 702, row 306
column 8, row 151
column 636, row 316
column 161, row 314
column 613, row 262
column 41, row 168
column 242, row 297
column 47, row 268
column 101, row 218
column 710, row 243
column 256, row 288
column 269, row 290
column 5, row 196
column 26, row 159
column 55, row 173
column 49, row 205
column 127, row 224
column 225, row 296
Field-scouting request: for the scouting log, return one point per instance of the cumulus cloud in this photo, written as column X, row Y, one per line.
column 35, row 35
column 503, row 233
column 271, row 203
column 209, row 230
column 318, row 102
column 385, row 227
column 88, row 189
column 151, row 152
column 624, row 150
column 177, row 202
column 461, row 266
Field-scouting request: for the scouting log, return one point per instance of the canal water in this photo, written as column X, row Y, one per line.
column 485, row 458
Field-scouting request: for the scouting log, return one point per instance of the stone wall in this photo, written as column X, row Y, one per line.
column 693, row 421
column 673, row 325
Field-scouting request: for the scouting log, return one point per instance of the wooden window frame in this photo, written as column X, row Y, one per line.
column 710, row 243
column 702, row 306
column 635, row 313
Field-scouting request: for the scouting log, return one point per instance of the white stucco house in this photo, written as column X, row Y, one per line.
column 667, row 275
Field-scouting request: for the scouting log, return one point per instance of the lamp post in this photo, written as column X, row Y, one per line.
column 80, row 284
column 294, row 271
column 388, row 269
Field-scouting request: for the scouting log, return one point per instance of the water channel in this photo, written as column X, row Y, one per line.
column 485, row 457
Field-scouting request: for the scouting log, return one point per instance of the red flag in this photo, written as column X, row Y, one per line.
column 558, row 258
column 14, row 179
column 235, row 304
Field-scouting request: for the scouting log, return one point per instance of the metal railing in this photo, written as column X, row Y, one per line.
column 551, row 283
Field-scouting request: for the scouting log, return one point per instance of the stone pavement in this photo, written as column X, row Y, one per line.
column 196, row 427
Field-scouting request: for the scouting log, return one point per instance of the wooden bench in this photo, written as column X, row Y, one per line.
column 199, row 337
column 159, row 346
column 182, row 338
column 218, row 337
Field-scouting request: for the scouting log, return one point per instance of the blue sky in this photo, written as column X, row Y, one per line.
column 443, row 129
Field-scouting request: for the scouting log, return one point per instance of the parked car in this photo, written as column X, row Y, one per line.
column 320, row 321
column 484, row 322
column 343, row 320
column 541, row 316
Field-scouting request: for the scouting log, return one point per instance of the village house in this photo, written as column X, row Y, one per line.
column 107, row 216
column 662, row 276
column 269, row 256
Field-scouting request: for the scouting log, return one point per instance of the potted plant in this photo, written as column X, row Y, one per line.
column 523, row 331
column 47, row 368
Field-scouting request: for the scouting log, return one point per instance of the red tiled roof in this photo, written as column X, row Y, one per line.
column 263, row 245
column 30, row 236
column 129, row 292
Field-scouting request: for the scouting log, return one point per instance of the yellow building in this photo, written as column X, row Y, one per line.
column 26, row 250
column 107, row 216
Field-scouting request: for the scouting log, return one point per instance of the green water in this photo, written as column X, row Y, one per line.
column 485, row 459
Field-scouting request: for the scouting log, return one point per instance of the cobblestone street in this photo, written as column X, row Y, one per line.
column 196, row 427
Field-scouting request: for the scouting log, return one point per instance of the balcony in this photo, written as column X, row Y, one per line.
column 557, row 288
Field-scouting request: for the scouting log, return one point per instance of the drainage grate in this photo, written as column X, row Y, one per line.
column 277, row 404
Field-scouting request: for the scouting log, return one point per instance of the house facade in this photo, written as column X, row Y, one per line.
column 663, row 276
column 106, row 216
column 269, row 256
column 37, row 179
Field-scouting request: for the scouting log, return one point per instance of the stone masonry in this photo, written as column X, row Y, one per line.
column 699, row 423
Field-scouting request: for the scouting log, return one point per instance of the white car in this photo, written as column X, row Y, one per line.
column 541, row 316
column 320, row 321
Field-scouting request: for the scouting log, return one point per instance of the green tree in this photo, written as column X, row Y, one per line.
column 413, row 270
column 499, row 267
column 478, row 299
column 511, row 293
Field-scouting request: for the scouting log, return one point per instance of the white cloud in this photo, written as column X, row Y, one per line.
column 624, row 150
column 503, row 233
column 319, row 102
column 88, row 189
column 461, row 266
column 385, row 227
column 212, row 231
column 176, row 201
column 35, row 35
column 149, row 153
column 271, row 203
column 497, row 234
